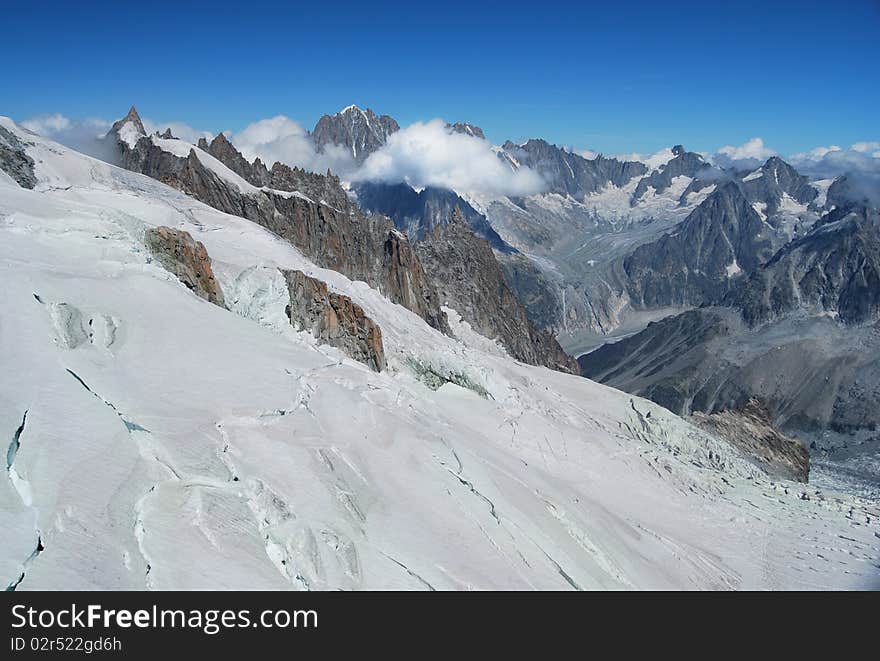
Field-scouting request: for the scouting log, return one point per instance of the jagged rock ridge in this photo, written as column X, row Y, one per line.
column 695, row 263
column 683, row 163
column 568, row 173
column 343, row 239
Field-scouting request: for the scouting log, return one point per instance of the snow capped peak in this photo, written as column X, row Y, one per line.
column 350, row 109
column 130, row 128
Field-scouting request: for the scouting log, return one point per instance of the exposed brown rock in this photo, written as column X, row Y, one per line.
column 186, row 258
column 752, row 431
column 334, row 319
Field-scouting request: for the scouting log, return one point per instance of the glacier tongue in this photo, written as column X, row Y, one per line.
column 175, row 445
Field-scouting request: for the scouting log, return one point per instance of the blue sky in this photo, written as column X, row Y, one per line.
column 611, row 76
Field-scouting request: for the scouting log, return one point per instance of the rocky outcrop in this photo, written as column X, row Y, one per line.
column 186, row 258
column 568, row 173
column 470, row 281
column 14, row 161
column 361, row 132
column 751, row 429
column 333, row 319
column 335, row 237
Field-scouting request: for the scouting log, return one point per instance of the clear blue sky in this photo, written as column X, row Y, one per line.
column 614, row 76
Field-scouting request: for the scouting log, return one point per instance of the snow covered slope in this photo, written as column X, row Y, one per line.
column 158, row 441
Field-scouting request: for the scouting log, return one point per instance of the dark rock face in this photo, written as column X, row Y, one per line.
column 468, row 129
column 812, row 373
column 537, row 293
column 801, row 333
column 339, row 238
column 14, row 161
column 361, row 132
column 471, row 281
column 752, row 431
column 186, row 258
column 418, row 212
column 664, row 362
column 567, row 173
column 778, row 177
column 334, row 319
column 683, row 163
column 696, row 263
column 834, row 268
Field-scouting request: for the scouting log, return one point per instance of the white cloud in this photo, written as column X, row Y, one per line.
column 83, row 135
column 653, row 161
column 430, row 154
column 282, row 139
column 833, row 161
column 815, row 154
column 86, row 135
column 750, row 154
column 867, row 147
column 47, row 124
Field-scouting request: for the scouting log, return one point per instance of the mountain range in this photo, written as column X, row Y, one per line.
column 276, row 378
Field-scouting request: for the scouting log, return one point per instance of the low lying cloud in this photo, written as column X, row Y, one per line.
column 282, row 139
column 862, row 188
column 430, row 154
column 833, row 161
column 87, row 135
column 83, row 135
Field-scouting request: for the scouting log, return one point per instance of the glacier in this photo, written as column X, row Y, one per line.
column 157, row 441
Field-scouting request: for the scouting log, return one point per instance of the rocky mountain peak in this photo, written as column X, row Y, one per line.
column 129, row 129
column 467, row 129
column 773, row 181
column 684, row 163
column 360, row 131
